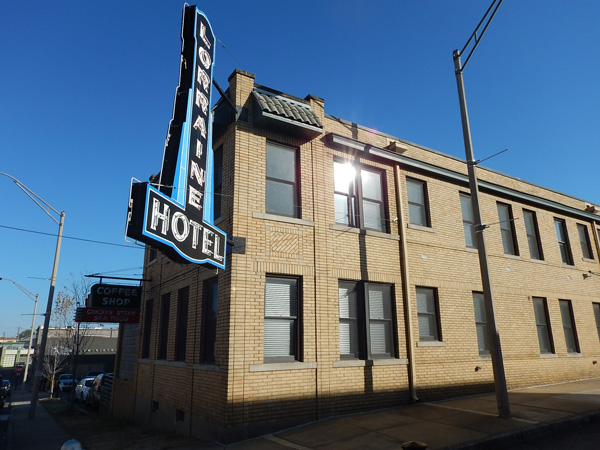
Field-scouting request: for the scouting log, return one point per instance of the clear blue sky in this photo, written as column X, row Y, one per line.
column 87, row 89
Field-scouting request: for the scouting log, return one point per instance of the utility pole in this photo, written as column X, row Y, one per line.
column 495, row 347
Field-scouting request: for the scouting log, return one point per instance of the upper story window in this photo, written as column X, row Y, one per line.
column 218, row 183
column 359, row 196
column 563, row 241
column 418, row 209
column 584, row 239
column 468, row 220
column 282, row 193
column 533, row 235
column 507, row 228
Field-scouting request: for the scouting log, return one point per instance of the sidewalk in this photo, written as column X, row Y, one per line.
column 467, row 423
column 40, row 432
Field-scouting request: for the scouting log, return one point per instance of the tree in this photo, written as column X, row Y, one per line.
column 70, row 339
column 24, row 335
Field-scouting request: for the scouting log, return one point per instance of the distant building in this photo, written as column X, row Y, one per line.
column 97, row 349
column 13, row 353
column 353, row 279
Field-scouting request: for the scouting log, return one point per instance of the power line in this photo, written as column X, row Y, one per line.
column 71, row 237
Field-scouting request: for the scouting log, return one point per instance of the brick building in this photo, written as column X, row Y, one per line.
column 354, row 280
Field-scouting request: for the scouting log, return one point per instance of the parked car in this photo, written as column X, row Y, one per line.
column 6, row 386
column 65, row 382
column 82, row 389
column 93, row 373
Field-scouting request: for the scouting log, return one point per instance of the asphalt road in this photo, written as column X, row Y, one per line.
column 581, row 437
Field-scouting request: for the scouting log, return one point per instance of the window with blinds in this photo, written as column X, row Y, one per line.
column 366, row 320
column 418, row 211
column 281, row 324
column 481, row 323
column 427, row 314
column 542, row 322
column 568, row 321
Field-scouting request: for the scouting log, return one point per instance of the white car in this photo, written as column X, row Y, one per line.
column 82, row 388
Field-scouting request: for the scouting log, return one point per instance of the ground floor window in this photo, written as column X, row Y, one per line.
column 481, row 323
column 366, row 320
column 542, row 322
column 282, row 317
column 428, row 314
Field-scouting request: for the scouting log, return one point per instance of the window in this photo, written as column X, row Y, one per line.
column 563, row 241
column 507, row 229
column 163, row 329
column 366, row 320
column 182, row 318
column 427, row 314
column 358, row 197
column 147, row 328
column 152, row 254
column 468, row 221
column 542, row 322
column 568, row 321
column 281, row 326
column 282, row 181
column 209, row 321
column 584, row 238
column 218, row 183
column 418, row 210
column 596, row 307
column 481, row 323
column 533, row 235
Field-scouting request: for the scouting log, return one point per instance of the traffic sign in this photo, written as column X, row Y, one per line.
column 19, row 370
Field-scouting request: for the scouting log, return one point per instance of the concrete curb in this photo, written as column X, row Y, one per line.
column 504, row 440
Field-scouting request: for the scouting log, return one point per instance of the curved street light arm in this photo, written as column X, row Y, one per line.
column 36, row 198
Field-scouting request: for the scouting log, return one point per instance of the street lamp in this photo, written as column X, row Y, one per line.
column 495, row 347
column 34, row 298
column 49, row 210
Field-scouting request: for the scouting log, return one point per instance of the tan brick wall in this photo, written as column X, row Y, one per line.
column 240, row 390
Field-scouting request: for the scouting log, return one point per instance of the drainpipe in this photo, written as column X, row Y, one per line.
column 408, row 323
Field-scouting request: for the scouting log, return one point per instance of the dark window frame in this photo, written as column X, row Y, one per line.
column 423, row 207
column 508, row 232
column 562, row 237
column 481, row 323
column 364, row 322
column 533, row 235
column 210, row 303
column 218, row 183
column 543, row 325
column 468, row 221
column 163, row 328
column 296, row 206
column 596, row 309
column 584, row 240
column 569, row 326
column 183, row 301
column 147, row 330
column 295, row 335
column 355, row 198
column 435, row 314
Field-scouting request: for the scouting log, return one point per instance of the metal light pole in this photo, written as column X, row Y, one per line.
column 34, row 297
column 40, row 359
column 495, row 347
